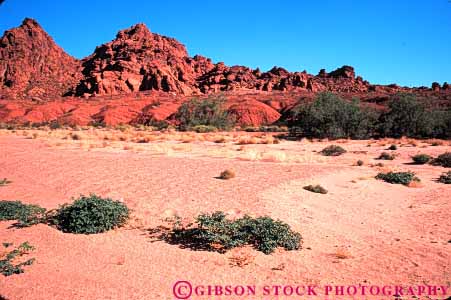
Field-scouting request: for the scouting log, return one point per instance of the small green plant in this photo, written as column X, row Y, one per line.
column 4, row 182
column 214, row 232
column 445, row 178
column 315, row 189
column 393, row 147
column 386, row 156
column 398, row 177
column 359, row 163
column 7, row 266
column 90, row 214
column 25, row 214
column 333, row 150
column 421, row 159
column 443, row 160
column 227, row 174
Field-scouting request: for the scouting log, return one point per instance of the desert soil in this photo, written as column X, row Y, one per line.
column 364, row 231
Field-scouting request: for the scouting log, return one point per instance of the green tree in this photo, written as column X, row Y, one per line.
column 330, row 116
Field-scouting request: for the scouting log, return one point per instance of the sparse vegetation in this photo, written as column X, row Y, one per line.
column 359, row 163
column 421, row 159
column 214, row 232
column 25, row 214
column 207, row 112
column 4, row 182
column 227, row 174
column 386, row 156
column 398, row 177
column 315, row 189
column 393, row 147
column 204, row 128
column 445, row 178
column 8, row 266
column 443, row 160
column 90, row 214
column 333, row 150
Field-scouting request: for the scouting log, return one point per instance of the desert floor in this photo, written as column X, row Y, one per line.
column 364, row 231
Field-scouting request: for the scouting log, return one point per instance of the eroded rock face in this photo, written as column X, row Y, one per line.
column 32, row 65
column 138, row 60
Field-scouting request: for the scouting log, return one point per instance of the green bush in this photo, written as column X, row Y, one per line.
column 330, row 116
column 445, row 178
column 333, row 150
column 25, row 214
column 208, row 112
column 89, row 215
column 406, row 116
column 386, row 156
column 393, row 147
column 397, row 177
column 443, row 160
column 7, row 265
column 315, row 189
column 216, row 233
column 421, row 159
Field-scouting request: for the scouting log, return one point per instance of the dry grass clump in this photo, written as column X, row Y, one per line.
column 386, row 156
column 227, row 174
column 315, row 189
column 75, row 136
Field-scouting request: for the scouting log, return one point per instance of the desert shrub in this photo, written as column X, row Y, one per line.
column 227, row 174
column 330, row 116
column 421, row 159
column 208, row 112
column 203, row 128
column 397, row 177
column 386, row 156
column 25, row 214
column 393, row 147
column 216, row 233
column 315, row 189
column 359, row 163
column 91, row 214
column 54, row 125
column 8, row 266
column 443, row 160
column 5, row 181
column 445, row 178
column 406, row 116
column 333, row 150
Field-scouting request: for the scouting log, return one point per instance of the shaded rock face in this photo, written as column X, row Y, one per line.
column 32, row 65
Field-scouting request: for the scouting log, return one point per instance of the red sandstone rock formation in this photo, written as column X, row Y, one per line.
column 32, row 65
column 142, row 77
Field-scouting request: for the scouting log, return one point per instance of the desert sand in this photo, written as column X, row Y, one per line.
column 364, row 231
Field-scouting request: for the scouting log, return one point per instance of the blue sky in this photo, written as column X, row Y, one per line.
column 404, row 41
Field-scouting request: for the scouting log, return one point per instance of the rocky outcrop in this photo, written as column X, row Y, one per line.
column 32, row 65
column 253, row 113
column 138, row 60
